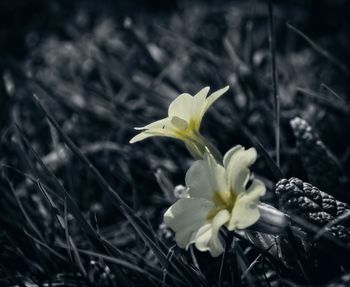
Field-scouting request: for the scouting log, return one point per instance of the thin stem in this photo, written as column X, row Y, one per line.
column 276, row 100
column 214, row 151
column 320, row 50
column 299, row 258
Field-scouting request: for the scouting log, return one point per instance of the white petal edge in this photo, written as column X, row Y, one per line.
column 140, row 137
column 156, row 125
column 163, row 127
column 236, row 162
column 185, row 217
column 206, row 177
column 207, row 237
column 153, row 133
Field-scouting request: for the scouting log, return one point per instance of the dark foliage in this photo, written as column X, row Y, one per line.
column 80, row 206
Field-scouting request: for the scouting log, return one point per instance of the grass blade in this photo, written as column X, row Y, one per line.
column 276, row 171
column 23, row 211
column 141, row 227
column 276, row 99
column 86, row 227
column 320, row 50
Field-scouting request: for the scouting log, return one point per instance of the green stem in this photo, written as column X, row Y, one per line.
column 197, row 145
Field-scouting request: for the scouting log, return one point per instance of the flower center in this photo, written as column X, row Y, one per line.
column 222, row 200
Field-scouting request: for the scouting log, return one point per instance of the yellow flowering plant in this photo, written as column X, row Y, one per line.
column 218, row 196
column 184, row 119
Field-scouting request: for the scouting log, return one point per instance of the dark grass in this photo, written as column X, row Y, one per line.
column 82, row 207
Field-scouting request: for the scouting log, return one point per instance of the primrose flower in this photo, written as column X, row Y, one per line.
column 218, row 196
column 184, row 119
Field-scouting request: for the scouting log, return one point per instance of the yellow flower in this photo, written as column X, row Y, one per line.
column 218, row 196
column 184, row 119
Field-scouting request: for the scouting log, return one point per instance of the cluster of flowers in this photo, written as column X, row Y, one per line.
column 218, row 193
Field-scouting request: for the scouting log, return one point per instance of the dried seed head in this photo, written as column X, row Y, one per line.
column 322, row 168
column 307, row 201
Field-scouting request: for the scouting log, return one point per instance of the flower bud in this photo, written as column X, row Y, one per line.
column 271, row 221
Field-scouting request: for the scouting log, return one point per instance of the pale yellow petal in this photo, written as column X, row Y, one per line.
column 207, row 237
column 236, row 162
column 140, row 137
column 181, row 107
column 160, row 124
column 245, row 211
column 199, row 106
column 186, row 217
column 153, row 133
column 206, row 177
column 163, row 127
column 229, row 154
column 201, row 96
column 190, row 108
column 214, row 96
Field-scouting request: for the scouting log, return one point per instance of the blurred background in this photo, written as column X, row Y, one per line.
column 102, row 68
